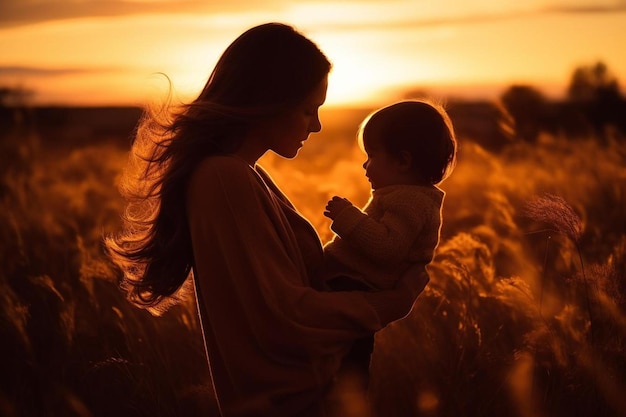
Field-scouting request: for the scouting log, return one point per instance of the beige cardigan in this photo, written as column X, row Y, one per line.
column 273, row 341
column 399, row 226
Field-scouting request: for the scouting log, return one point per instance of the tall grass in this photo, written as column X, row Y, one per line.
column 72, row 345
column 502, row 329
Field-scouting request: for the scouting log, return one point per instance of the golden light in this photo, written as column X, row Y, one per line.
column 375, row 49
column 371, row 64
column 516, row 320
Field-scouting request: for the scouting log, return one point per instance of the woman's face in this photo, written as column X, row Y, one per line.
column 286, row 133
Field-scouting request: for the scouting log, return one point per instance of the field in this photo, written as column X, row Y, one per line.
column 525, row 314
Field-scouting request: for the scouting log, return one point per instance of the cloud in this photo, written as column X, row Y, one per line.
column 24, row 12
column 21, row 71
column 588, row 8
column 411, row 15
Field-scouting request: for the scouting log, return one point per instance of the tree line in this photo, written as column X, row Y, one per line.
column 593, row 107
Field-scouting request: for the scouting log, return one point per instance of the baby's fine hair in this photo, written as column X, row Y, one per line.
column 419, row 127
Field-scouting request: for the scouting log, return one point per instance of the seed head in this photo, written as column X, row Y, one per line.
column 557, row 213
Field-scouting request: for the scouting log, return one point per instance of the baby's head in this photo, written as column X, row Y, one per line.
column 417, row 132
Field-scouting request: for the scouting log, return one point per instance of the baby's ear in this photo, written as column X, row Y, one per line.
column 405, row 159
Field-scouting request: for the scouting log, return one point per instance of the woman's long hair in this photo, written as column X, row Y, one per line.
column 265, row 71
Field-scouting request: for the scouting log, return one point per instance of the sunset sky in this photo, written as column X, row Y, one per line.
column 103, row 52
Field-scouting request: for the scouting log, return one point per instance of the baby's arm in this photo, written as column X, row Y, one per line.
column 384, row 241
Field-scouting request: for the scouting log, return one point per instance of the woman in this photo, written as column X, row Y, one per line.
column 199, row 203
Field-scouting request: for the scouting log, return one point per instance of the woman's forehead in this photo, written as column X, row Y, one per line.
column 318, row 95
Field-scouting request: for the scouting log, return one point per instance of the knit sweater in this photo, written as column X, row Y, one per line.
column 273, row 341
column 399, row 226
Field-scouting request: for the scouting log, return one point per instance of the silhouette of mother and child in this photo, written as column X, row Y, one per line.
column 281, row 313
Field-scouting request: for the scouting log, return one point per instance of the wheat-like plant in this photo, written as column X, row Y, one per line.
column 560, row 217
column 557, row 214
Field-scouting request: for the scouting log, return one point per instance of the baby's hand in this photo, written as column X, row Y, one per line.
column 336, row 205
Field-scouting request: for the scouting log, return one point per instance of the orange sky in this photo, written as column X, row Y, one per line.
column 109, row 51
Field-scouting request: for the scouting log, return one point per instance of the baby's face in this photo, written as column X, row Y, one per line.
column 381, row 168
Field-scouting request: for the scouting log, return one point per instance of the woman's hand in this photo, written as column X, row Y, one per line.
column 414, row 280
column 397, row 303
column 335, row 206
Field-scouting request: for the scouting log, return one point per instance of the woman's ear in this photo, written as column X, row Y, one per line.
column 404, row 161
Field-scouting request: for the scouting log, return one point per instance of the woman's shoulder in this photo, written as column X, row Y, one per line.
column 224, row 162
column 223, row 166
column 223, row 171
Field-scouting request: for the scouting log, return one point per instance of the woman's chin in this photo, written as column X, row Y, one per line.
column 290, row 153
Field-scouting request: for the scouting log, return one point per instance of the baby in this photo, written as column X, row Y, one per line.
column 410, row 149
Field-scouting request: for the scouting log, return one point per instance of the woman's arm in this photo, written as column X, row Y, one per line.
column 248, row 263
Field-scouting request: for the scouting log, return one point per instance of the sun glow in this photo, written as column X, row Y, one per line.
column 378, row 51
column 369, row 65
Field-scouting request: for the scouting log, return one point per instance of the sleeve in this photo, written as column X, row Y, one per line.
column 388, row 240
column 246, row 266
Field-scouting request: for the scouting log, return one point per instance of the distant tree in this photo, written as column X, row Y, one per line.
column 416, row 93
column 15, row 110
column 592, row 82
column 527, row 107
column 596, row 92
column 14, row 96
